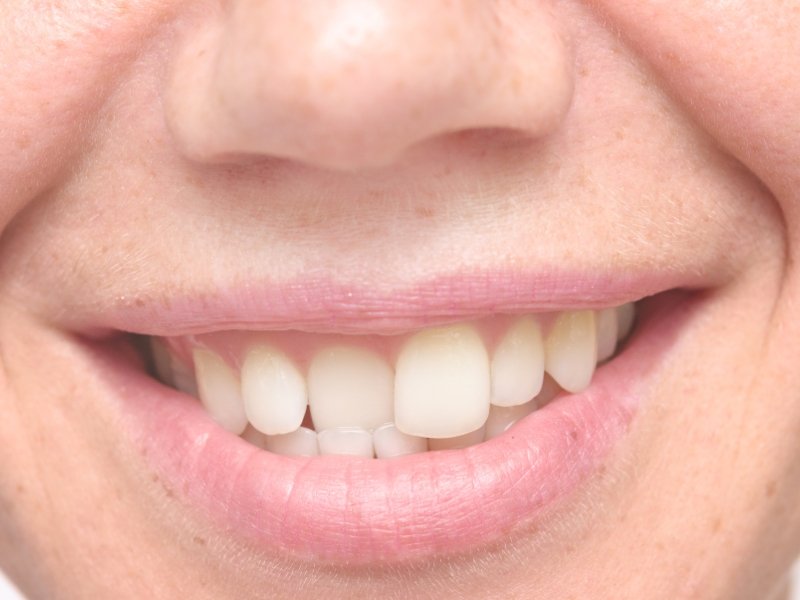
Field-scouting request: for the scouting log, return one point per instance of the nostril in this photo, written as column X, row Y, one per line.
column 354, row 84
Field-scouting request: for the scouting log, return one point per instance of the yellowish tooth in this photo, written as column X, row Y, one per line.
column 162, row 360
column 183, row 377
column 626, row 314
column 274, row 391
column 606, row 333
column 518, row 364
column 220, row 391
column 571, row 350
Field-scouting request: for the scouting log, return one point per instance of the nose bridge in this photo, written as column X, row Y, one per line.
column 354, row 83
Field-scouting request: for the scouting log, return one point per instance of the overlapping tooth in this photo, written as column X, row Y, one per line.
column 390, row 442
column 442, row 383
column 300, row 442
column 274, row 391
column 606, row 333
column 458, row 442
column 353, row 441
column 518, row 364
column 219, row 390
column 350, row 387
column 571, row 350
column 625, row 317
column 501, row 418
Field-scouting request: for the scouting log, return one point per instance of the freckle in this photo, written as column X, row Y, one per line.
column 716, row 526
column 139, row 302
column 771, row 487
column 424, row 211
column 20, row 489
column 199, row 541
column 583, row 72
column 619, row 135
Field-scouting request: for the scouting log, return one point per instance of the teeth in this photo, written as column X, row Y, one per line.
column 625, row 316
column 550, row 390
column 501, row 418
column 219, row 390
column 571, row 350
column 518, row 364
column 442, row 383
column 274, row 391
column 300, row 442
column 390, row 442
column 458, row 442
column 183, row 377
column 350, row 387
column 353, row 441
column 606, row 333
column 162, row 361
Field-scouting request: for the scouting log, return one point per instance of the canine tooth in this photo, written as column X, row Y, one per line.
column 458, row 442
column 219, row 389
column 571, row 350
column 606, row 333
column 442, row 383
column 518, row 364
column 501, row 418
column 300, row 442
column 350, row 387
column 183, row 377
column 625, row 317
column 390, row 442
column 162, row 361
column 353, row 441
column 550, row 390
column 274, row 391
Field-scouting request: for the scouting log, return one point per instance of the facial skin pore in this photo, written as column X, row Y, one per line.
column 162, row 159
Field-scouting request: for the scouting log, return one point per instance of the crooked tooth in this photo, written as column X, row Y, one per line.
column 501, row 418
column 625, row 316
column 300, row 442
column 571, row 350
column 162, row 361
column 442, row 383
column 606, row 333
column 350, row 387
column 518, row 364
column 183, row 377
column 219, row 390
column 353, row 441
column 390, row 442
column 458, row 442
column 273, row 390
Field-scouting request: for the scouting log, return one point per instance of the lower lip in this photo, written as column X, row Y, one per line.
column 346, row 509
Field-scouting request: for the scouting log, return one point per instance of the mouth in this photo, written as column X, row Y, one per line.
column 356, row 449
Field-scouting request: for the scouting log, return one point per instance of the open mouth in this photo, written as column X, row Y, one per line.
column 443, row 388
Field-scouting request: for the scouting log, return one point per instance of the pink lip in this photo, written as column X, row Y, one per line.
column 322, row 305
column 352, row 510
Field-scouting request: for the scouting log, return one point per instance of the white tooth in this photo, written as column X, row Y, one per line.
column 274, row 391
column 390, row 442
column 162, row 361
column 346, row 440
column 183, row 377
column 458, row 442
column 501, row 418
column 442, row 383
column 571, row 350
column 350, row 387
column 300, row 442
column 550, row 390
column 625, row 316
column 518, row 364
column 220, row 391
column 606, row 333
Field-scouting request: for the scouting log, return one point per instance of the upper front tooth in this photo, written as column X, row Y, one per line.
column 274, row 391
column 606, row 333
column 219, row 390
column 442, row 383
column 571, row 350
column 350, row 387
column 518, row 364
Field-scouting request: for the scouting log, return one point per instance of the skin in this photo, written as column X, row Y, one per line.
column 148, row 148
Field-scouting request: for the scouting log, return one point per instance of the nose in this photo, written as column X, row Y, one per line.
column 352, row 84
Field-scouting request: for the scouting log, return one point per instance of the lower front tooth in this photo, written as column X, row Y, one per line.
column 456, row 443
column 442, row 383
column 501, row 418
column 219, row 390
column 390, row 442
column 274, row 391
column 571, row 350
column 352, row 441
column 300, row 442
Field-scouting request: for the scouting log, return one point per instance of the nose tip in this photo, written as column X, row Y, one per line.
column 351, row 84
